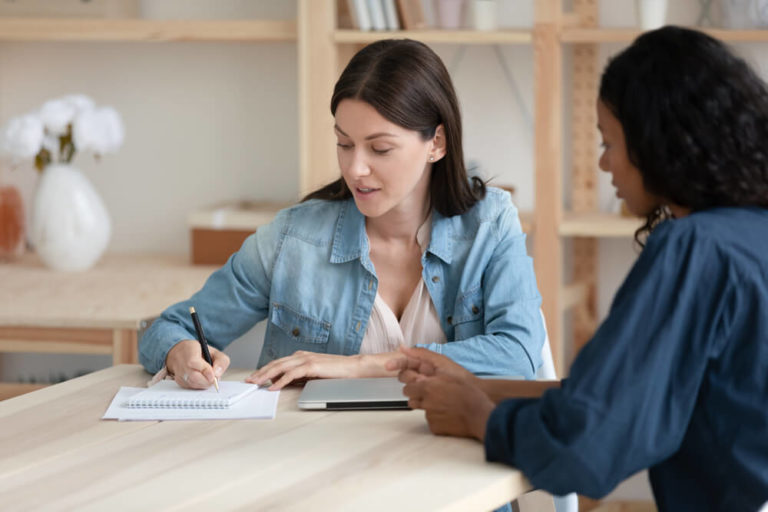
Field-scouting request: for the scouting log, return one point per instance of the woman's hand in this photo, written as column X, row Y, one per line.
column 306, row 365
column 454, row 407
column 185, row 362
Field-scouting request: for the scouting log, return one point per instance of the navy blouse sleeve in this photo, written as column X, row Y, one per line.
column 633, row 387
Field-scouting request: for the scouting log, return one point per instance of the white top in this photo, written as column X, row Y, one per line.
column 419, row 323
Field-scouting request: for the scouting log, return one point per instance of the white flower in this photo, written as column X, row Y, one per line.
column 81, row 102
column 99, row 130
column 59, row 128
column 51, row 143
column 23, row 136
column 59, row 113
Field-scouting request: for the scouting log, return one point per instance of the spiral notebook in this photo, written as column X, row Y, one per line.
column 166, row 394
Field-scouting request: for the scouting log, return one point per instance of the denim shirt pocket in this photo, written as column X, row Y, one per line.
column 469, row 306
column 300, row 328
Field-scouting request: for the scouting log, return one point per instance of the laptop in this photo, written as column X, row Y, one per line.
column 353, row 394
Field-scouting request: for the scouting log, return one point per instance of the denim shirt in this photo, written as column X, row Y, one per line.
column 309, row 273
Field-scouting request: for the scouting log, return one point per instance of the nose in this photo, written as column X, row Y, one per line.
column 358, row 165
column 603, row 162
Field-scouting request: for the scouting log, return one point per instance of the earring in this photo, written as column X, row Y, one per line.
column 431, row 158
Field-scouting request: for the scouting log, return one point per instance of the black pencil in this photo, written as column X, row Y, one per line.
column 203, row 343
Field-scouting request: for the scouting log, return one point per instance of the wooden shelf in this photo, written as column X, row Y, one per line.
column 626, row 35
column 573, row 294
column 526, row 221
column 31, row 29
column 438, row 36
column 598, row 225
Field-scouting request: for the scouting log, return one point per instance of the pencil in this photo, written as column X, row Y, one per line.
column 203, row 343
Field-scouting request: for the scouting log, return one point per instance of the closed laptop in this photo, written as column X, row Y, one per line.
column 350, row 394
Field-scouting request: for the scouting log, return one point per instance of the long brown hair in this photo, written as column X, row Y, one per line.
column 407, row 83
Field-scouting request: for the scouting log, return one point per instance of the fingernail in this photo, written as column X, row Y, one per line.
column 218, row 370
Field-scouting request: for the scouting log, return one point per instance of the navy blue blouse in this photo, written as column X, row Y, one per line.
column 675, row 379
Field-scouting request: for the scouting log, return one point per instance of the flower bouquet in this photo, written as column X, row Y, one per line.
column 70, row 225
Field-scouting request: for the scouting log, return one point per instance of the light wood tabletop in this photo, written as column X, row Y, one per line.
column 57, row 454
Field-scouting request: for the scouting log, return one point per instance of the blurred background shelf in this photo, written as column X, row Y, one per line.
column 626, row 35
column 438, row 36
column 598, row 225
column 141, row 30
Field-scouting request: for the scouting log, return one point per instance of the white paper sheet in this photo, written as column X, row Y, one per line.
column 261, row 404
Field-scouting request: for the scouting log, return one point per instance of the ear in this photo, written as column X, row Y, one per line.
column 438, row 145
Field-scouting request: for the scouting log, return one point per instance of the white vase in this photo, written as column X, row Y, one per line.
column 70, row 225
column 485, row 14
column 652, row 14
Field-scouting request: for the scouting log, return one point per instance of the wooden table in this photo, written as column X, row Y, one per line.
column 99, row 311
column 56, row 453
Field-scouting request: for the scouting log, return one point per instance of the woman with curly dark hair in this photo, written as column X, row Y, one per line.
column 676, row 378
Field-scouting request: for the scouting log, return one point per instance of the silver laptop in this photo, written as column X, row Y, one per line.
column 350, row 394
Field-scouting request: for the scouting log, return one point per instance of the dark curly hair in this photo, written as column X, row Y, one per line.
column 695, row 121
column 408, row 84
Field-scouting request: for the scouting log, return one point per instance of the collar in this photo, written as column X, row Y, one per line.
column 350, row 241
column 440, row 240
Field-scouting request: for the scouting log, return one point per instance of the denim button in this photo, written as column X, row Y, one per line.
column 475, row 310
column 435, row 279
column 295, row 331
column 449, row 320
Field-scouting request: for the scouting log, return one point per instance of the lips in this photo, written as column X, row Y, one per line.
column 365, row 191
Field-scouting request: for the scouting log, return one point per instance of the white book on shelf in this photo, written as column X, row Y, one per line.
column 428, row 8
column 376, row 11
column 361, row 18
column 390, row 14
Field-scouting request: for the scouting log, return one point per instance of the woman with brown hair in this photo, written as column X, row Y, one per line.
column 403, row 249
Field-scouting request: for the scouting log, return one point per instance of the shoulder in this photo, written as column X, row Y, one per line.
column 313, row 220
column 735, row 227
column 738, row 236
column 495, row 210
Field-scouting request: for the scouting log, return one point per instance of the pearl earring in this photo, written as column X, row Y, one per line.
column 432, row 159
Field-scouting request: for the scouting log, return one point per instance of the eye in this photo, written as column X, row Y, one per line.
column 382, row 151
column 343, row 146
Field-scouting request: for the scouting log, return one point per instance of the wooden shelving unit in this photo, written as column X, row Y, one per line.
column 138, row 30
column 438, row 36
column 596, row 35
column 598, row 225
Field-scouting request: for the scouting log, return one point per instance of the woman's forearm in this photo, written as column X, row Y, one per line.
column 374, row 365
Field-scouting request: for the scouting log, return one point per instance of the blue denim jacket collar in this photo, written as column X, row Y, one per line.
column 349, row 239
column 441, row 236
column 351, row 242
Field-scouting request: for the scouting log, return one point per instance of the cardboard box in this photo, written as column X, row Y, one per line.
column 220, row 230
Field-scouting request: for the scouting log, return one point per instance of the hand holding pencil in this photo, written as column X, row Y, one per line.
column 203, row 343
column 187, row 363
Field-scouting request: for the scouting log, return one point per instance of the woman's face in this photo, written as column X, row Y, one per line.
column 387, row 167
column 615, row 160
